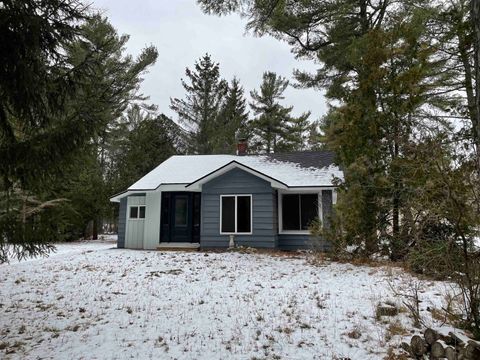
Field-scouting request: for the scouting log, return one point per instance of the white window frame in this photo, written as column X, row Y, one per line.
column 138, row 212
column 235, row 215
column 280, row 210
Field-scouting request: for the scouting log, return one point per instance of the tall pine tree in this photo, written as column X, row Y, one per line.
column 202, row 105
column 232, row 121
column 274, row 128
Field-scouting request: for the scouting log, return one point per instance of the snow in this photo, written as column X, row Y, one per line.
column 93, row 301
column 186, row 169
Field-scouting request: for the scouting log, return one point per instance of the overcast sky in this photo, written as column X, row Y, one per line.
column 182, row 34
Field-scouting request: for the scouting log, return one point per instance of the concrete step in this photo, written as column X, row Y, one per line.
column 178, row 246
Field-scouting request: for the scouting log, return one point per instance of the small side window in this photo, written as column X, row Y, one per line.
column 141, row 212
column 134, row 212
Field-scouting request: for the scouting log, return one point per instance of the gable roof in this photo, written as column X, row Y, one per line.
column 296, row 169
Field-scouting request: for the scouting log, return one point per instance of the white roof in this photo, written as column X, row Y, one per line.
column 186, row 169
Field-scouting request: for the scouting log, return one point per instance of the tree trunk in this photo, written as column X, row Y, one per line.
column 95, row 229
column 475, row 18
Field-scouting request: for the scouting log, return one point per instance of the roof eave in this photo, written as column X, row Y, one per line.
column 230, row 166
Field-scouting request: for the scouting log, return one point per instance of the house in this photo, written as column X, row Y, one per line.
column 212, row 201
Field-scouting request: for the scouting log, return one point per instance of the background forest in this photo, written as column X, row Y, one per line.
column 75, row 128
column 402, row 83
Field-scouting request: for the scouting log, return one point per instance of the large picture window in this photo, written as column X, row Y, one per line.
column 298, row 211
column 236, row 214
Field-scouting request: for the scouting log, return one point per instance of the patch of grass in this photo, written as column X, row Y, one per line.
column 73, row 328
column 391, row 355
column 395, row 329
column 354, row 333
column 285, row 330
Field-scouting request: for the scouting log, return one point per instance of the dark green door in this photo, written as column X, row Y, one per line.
column 180, row 217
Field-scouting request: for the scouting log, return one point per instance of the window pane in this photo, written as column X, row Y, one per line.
column 243, row 214
column 181, row 211
column 308, row 209
column 133, row 212
column 142, row 212
column 228, row 214
column 290, row 212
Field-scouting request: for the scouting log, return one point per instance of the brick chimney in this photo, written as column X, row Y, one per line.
column 242, row 147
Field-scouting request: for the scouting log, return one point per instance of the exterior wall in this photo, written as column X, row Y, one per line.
column 151, row 237
column 145, row 234
column 236, row 181
column 301, row 242
column 122, row 222
column 135, row 228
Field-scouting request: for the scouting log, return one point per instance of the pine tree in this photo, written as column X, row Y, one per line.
column 232, row 120
column 113, row 83
column 275, row 129
column 81, row 81
column 296, row 133
column 200, row 109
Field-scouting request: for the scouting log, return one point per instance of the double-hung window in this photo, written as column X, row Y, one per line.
column 236, row 214
column 137, row 212
column 298, row 211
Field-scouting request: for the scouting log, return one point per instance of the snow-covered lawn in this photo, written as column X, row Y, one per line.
column 92, row 301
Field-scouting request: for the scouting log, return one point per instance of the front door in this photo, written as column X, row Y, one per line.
column 180, row 217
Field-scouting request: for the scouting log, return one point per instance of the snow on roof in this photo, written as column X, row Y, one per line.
column 185, row 169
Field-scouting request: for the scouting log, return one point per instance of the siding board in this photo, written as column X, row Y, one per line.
column 234, row 182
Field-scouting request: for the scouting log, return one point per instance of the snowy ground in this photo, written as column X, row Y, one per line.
column 92, row 301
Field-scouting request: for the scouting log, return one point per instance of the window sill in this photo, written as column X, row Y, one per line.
column 294, row 232
column 222, row 233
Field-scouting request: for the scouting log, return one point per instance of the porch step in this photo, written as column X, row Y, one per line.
column 178, row 246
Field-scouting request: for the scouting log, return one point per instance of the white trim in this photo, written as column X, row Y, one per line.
column 197, row 184
column 178, row 245
column 280, row 209
column 160, row 188
column 138, row 212
column 235, row 215
column 118, row 197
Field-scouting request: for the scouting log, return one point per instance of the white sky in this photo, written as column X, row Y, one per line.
column 182, row 34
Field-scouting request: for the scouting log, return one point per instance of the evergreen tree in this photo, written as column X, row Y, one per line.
column 200, row 109
column 274, row 128
column 147, row 141
column 36, row 82
column 232, row 120
column 113, row 83
column 315, row 137
column 80, row 82
column 296, row 133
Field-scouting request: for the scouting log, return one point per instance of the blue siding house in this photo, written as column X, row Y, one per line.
column 216, row 201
